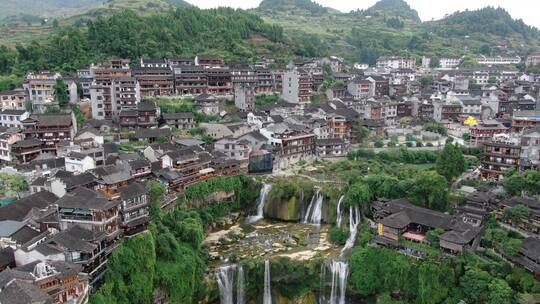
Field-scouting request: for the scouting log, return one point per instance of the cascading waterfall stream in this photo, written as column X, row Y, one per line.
column 339, row 213
column 267, row 297
column 340, row 272
column 314, row 212
column 240, row 287
column 322, row 295
column 225, row 280
column 354, row 221
column 261, row 201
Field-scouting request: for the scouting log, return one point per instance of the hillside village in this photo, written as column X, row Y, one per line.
column 103, row 155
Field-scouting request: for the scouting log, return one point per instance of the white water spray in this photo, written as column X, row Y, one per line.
column 225, row 280
column 240, row 289
column 339, row 212
column 354, row 221
column 261, row 201
column 314, row 212
column 340, row 272
column 267, row 297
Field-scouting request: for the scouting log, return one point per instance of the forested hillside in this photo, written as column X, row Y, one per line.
column 489, row 20
column 186, row 31
column 393, row 27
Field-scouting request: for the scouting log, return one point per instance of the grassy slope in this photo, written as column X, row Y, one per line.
column 15, row 31
column 335, row 29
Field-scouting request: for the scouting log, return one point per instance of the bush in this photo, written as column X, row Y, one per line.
column 338, row 236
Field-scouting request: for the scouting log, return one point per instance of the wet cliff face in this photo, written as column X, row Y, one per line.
column 293, row 209
column 288, row 210
column 307, row 298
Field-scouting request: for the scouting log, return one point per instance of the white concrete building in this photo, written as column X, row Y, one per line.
column 77, row 162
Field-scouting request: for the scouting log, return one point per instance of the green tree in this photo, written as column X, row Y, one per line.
column 156, row 193
column 60, row 93
column 426, row 81
column 468, row 62
column 130, row 272
column 500, row 292
column 512, row 246
column 429, row 190
column 433, row 282
column 338, row 236
column 360, row 195
column 433, row 236
column 450, row 162
column 516, row 214
column 474, row 285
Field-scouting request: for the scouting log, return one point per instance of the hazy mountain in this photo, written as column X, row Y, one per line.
column 489, row 20
column 396, row 8
column 293, row 5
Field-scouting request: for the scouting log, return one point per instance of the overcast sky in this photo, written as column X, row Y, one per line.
column 528, row 10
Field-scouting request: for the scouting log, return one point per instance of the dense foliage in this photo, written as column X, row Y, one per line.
column 167, row 258
column 401, row 155
column 186, row 31
column 397, row 8
column 451, row 162
column 488, row 20
column 517, row 183
column 308, row 5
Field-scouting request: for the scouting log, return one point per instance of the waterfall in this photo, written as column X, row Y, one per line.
column 260, row 203
column 322, row 296
column 267, row 297
column 354, row 221
column 339, row 213
column 340, row 271
column 225, row 280
column 314, row 211
column 240, row 286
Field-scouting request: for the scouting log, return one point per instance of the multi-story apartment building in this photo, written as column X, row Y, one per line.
column 235, row 149
column 396, row 62
column 190, row 80
column 113, row 89
column 244, row 95
column 147, row 114
column 361, row 88
column 14, row 99
column 525, row 119
column 292, row 143
column 127, row 93
column 13, row 118
column 443, row 111
column 209, row 61
column 297, row 86
column 24, row 151
column 498, row 60
column 219, row 81
column 533, row 59
column 52, row 282
column 111, row 178
column 181, row 121
column 382, row 85
column 90, row 210
column 154, row 79
column 449, row 62
column 50, row 129
column 40, row 86
column 530, row 148
column 134, row 208
column 265, row 81
column 7, row 139
column 500, row 154
column 404, row 109
column 483, row 132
